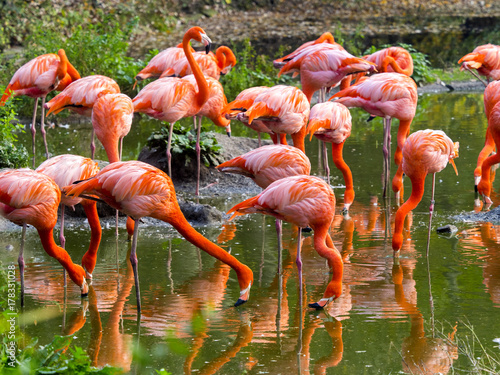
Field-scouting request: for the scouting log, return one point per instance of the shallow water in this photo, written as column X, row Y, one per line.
column 389, row 319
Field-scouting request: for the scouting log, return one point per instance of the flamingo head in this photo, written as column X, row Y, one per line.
column 198, row 34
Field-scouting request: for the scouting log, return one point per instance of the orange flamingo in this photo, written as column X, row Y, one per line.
column 388, row 95
column 324, row 68
column 81, row 96
column 485, row 59
column 391, row 59
column 305, row 201
column 484, row 186
column 241, row 103
column 64, row 169
column 171, row 99
column 212, row 109
column 425, row 151
column 331, row 122
column 161, row 62
column 284, row 109
column 139, row 189
column 324, row 38
column 212, row 65
column 491, row 97
column 27, row 198
column 36, row 79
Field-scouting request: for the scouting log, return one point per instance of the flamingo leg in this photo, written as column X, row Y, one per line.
column 299, row 262
column 198, row 156
column 20, row 261
column 476, row 75
column 133, row 262
column 42, row 127
column 121, row 148
column 33, row 129
column 325, row 162
column 92, row 144
column 431, row 211
column 280, row 246
column 169, row 153
column 62, row 240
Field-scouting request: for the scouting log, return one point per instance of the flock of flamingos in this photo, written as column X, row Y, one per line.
column 188, row 86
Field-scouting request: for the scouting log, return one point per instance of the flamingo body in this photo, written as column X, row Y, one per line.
column 266, row 164
column 484, row 186
column 161, row 62
column 81, row 96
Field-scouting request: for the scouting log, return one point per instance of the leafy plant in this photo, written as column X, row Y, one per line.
column 11, row 155
column 184, row 142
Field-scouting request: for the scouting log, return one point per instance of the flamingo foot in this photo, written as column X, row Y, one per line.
column 320, row 305
column 244, row 295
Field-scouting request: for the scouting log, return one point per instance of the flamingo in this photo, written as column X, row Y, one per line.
column 485, row 59
column 491, row 97
column 324, row 68
column 81, row 96
column 326, row 37
column 64, row 169
column 212, row 109
column 139, row 189
column 388, row 95
column 284, row 109
column 303, row 201
column 27, row 198
column 484, row 186
column 391, row 59
column 36, row 79
column 424, row 152
column 331, row 122
column 161, row 62
column 241, row 103
column 171, row 99
column 212, row 65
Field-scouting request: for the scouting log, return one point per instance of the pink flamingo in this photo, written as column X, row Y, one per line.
column 485, row 59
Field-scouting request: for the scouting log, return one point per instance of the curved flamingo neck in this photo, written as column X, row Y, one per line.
column 90, row 257
column 62, row 69
column 334, row 287
column 221, row 58
column 417, row 192
column 346, row 171
column 61, row 255
column 179, row 222
column 202, row 95
column 326, row 37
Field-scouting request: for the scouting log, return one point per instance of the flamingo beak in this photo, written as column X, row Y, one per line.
column 207, row 42
column 454, row 166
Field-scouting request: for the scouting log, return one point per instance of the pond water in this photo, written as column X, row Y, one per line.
column 389, row 319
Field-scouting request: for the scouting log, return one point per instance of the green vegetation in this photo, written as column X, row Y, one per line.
column 184, row 142
column 11, row 155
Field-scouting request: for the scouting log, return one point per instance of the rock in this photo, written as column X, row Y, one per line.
column 447, row 229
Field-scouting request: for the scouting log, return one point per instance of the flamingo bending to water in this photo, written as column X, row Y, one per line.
column 139, row 189
column 305, row 201
column 27, row 198
column 425, row 151
column 36, row 79
column 64, row 170
column 485, row 59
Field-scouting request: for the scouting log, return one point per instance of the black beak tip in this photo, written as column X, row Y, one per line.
column 229, row 134
column 239, row 302
column 84, row 295
column 316, row 306
column 207, row 48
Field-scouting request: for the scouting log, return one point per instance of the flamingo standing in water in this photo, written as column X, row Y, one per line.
column 64, row 170
column 284, row 109
column 485, row 59
column 491, row 97
column 305, row 201
column 241, row 103
column 388, row 95
column 81, row 97
column 425, row 151
column 27, row 198
column 391, row 59
column 139, row 189
column 484, row 186
column 324, row 68
column 331, row 122
column 36, row 79
column 212, row 65
column 171, row 99
column 326, row 37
